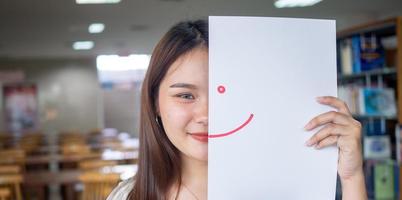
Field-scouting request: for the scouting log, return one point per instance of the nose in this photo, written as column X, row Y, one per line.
column 201, row 112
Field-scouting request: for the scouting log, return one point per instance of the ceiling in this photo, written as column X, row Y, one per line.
column 47, row 28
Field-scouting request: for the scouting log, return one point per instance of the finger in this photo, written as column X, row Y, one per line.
column 329, row 141
column 335, row 103
column 328, row 117
column 328, row 130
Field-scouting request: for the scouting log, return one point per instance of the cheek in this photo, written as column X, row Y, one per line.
column 175, row 117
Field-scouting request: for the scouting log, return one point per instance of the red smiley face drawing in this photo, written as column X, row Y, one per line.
column 221, row 90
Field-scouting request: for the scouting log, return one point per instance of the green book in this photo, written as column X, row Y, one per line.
column 384, row 182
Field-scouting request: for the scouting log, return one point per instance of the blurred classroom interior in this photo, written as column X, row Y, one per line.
column 71, row 74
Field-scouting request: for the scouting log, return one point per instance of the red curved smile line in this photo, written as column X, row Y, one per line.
column 234, row 130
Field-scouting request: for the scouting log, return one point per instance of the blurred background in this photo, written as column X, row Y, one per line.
column 71, row 73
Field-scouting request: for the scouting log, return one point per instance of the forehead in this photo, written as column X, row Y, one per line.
column 189, row 66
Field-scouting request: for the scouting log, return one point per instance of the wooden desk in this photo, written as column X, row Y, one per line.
column 45, row 159
column 68, row 178
column 94, row 146
column 105, row 155
column 71, row 176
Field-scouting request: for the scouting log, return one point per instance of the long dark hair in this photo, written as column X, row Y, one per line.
column 159, row 162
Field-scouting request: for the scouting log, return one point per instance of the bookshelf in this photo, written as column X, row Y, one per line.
column 370, row 67
column 368, row 74
column 383, row 28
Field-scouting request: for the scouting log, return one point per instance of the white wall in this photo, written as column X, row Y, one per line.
column 68, row 87
column 122, row 109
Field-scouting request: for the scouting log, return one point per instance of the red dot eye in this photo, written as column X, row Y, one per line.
column 221, row 89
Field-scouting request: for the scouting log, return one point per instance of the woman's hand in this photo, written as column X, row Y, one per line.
column 341, row 129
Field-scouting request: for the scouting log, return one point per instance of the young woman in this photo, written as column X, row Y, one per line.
column 173, row 157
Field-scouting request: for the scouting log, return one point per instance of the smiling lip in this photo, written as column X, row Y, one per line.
column 234, row 130
column 202, row 137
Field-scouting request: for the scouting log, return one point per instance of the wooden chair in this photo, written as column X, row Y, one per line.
column 81, row 152
column 97, row 186
column 13, row 182
column 73, row 149
column 6, row 140
column 10, row 169
column 12, row 157
column 29, row 142
column 5, row 193
column 67, row 138
column 68, row 141
column 95, row 164
column 111, row 143
column 95, row 131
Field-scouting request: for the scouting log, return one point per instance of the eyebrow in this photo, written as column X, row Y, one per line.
column 183, row 85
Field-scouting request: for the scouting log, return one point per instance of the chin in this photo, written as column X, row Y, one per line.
column 196, row 150
column 201, row 155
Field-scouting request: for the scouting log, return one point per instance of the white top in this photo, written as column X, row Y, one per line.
column 121, row 191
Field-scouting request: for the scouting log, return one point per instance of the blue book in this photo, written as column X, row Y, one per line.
column 372, row 54
column 377, row 147
column 373, row 127
column 369, row 177
column 377, row 101
column 356, row 54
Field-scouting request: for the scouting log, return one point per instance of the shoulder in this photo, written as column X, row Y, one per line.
column 122, row 190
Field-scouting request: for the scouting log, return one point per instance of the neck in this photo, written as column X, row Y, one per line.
column 195, row 176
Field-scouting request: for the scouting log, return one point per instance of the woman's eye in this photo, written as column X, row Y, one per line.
column 186, row 96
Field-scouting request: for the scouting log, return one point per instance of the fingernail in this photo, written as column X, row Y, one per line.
column 308, row 143
column 308, row 126
column 319, row 99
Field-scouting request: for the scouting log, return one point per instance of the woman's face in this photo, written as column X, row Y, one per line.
column 183, row 104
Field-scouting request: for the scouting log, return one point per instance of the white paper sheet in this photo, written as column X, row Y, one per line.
column 271, row 69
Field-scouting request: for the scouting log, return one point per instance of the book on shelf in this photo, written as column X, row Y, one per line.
column 371, row 53
column 377, row 147
column 369, row 177
column 377, row 101
column 368, row 101
column 382, row 179
column 361, row 53
column 398, row 141
column 390, row 45
column 397, row 180
column 384, row 186
column 349, row 94
column 373, row 127
column 346, row 57
column 356, row 55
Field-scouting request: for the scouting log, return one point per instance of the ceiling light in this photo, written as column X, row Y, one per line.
column 294, row 3
column 83, row 45
column 122, row 63
column 96, row 28
column 96, row 1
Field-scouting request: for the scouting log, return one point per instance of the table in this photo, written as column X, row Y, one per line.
column 68, row 178
column 60, row 158
column 94, row 146
column 71, row 175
